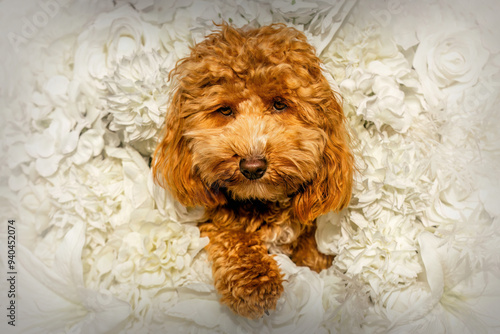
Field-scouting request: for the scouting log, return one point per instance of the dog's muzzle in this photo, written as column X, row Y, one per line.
column 253, row 168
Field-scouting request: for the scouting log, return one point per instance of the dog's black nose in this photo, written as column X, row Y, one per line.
column 253, row 168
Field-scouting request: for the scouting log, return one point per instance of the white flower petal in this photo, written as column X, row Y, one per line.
column 17, row 154
column 41, row 145
column 70, row 142
column 89, row 145
column 57, row 88
column 300, row 309
column 206, row 313
column 328, row 233
column 48, row 166
column 60, row 290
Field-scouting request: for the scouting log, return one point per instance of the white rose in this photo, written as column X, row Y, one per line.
column 449, row 62
column 457, row 296
column 34, row 207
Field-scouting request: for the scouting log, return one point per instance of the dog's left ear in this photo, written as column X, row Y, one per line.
column 331, row 189
column 172, row 162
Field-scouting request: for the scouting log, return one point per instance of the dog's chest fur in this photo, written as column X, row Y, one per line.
column 273, row 221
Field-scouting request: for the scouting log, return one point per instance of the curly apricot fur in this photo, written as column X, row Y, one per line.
column 255, row 94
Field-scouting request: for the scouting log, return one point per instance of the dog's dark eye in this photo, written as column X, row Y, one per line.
column 279, row 105
column 226, row 111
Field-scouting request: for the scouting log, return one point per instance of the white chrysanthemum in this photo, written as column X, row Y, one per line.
column 137, row 98
column 106, row 40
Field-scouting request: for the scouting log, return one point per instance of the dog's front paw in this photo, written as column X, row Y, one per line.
column 251, row 286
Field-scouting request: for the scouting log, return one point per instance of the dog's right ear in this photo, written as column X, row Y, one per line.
column 332, row 188
column 172, row 163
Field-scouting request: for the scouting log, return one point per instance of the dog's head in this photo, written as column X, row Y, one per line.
column 253, row 117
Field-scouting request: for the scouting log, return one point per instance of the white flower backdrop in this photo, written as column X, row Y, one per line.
column 101, row 249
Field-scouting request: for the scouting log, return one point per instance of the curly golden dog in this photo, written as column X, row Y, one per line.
column 255, row 135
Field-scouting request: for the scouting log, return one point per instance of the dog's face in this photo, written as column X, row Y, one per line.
column 253, row 117
column 253, row 139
